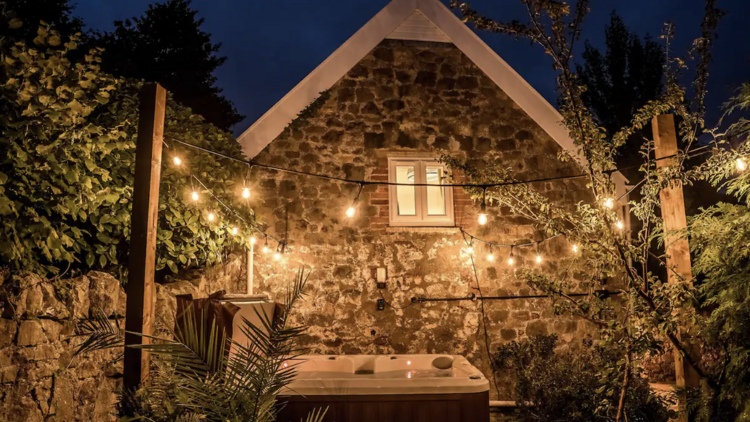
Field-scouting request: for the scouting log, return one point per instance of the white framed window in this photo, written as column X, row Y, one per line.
column 422, row 204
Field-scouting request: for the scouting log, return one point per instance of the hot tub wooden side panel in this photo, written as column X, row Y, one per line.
column 390, row 408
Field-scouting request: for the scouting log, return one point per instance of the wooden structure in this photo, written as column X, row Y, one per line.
column 677, row 247
column 142, row 257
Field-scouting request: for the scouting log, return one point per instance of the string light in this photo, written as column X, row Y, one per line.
column 246, row 193
column 483, row 210
column 277, row 256
column 538, row 255
column 574, row 248
column 177, row 160
column 352, row 210
column 741, row 164
column 211, row 216
column 608, row 203
column 265, row 246
column 511, row 261
column 619, row 225
column 253, row 240
column 470, row 250
column 491, row 256
column 235, row 230
column 194, row 196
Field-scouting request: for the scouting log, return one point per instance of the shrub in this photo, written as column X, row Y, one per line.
column 571, row 386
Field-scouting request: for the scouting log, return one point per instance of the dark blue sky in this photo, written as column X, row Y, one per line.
column 272, row 45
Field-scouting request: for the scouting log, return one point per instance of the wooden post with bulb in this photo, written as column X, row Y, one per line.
column 677, row 247
column 139, row 316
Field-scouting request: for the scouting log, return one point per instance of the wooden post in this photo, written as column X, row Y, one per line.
column 139, row 316
column 677, row 248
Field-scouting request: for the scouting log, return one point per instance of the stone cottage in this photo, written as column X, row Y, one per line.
column 411, row 85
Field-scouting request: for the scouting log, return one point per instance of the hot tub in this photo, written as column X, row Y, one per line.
column 390, row 388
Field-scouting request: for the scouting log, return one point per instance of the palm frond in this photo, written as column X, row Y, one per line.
column 101, row 333
column 316, row 415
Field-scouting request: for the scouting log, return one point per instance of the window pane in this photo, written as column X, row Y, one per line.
column 435, row 195
column 406, row 195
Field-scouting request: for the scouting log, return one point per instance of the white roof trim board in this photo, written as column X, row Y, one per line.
column 397, row 20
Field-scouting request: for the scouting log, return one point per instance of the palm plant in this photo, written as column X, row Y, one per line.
column 194, row 377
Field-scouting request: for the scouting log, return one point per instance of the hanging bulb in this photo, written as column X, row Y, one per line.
column 277, row 256
column 177, row 160
column 350, row 212
column 470, row 250
column 482, row 219
column 575, row 248
column 483, row 210
column 491, row 257
column 246, row 193
column 253, row 240
column 608, row 203
column 194, row 196
column 538, row 259
column 741, row 164
column 511, row 261
column 265, row 249
column 235, row 230
column 211, row 216
column 619, row 225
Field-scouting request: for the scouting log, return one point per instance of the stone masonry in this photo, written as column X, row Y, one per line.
column 407, row 98
column 40, row 379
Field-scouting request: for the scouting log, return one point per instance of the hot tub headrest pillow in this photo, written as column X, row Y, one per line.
column 443, row 362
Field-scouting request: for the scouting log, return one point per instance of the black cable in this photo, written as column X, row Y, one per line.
column 394, row 306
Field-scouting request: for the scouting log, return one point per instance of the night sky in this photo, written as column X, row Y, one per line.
column 272, row 45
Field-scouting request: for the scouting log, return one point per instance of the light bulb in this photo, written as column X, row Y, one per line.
column 177, row 160
column 511, row 261
column 482, row 219
column 490, row 257
column 350, row 212
column 211, row 216
column 195, row 196
column 235, row 230
column 575, row 248
column 277, row 256
column 741, row 164
column 246, row 193
column 538, row 259
column 608, row 203
column 469, row 250
column 253, row 240
column 265, row 249
column 619, row 225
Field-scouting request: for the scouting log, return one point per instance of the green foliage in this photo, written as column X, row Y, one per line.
column 195, row 378
column 167, row 45
column 25, row 16
column 67, row 168
column 572, row 386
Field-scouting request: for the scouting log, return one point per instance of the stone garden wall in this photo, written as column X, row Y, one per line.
column 408, row 98
column 40, row 380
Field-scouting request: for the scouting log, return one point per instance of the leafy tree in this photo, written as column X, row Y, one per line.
column 67, row 154
column 167, row 45
column 651, row 311
column 621, row 80
column 29, row 13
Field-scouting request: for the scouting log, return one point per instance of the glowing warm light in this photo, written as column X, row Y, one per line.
column 265, row 249
column 285, row 364
column 608, row 203
column 177, row 160
column 277, row 256
column 511, row 261
column 246, row 193
column 253, row 240
column 741, row 164
column 575, row 248
column 490, row 257
column 408, row 375
column 538, row 259
column 211, row 216
column 408, row 362
column 619, row 225
column 235, row 230
column 195, row 196
column 482, row 219
column 350, row 212
column 469, row 250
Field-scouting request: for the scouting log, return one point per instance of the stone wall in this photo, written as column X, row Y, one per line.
column 40, row 379
column 408, row 98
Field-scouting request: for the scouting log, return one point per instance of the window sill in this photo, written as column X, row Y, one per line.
column 415, row 229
